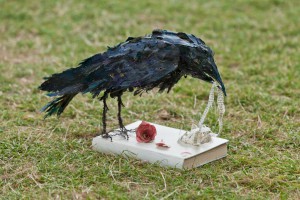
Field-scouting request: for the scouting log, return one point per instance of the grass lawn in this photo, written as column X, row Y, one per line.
column 256, row 46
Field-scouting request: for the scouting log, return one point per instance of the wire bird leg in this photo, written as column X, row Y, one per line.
column 105, row 109
column 123, row 131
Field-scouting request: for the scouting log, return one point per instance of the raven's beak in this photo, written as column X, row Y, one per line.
column 214, row 74
column 221, row 86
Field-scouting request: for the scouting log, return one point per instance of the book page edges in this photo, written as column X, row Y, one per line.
column 206, row 157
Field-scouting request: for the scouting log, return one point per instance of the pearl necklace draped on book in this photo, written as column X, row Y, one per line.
column 201, row 134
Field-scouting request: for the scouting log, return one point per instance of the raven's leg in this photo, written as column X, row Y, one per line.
column 105, row 109
column 122, row 127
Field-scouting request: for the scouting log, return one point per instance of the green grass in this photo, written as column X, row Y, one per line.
column 256, row 46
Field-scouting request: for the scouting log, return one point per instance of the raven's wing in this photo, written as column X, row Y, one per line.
column 138, row 63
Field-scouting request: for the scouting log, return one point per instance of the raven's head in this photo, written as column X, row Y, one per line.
column 204, row 67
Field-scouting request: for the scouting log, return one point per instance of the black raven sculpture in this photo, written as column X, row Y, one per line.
column 136, row 65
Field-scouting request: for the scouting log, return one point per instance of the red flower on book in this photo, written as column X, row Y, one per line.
column 145, row 132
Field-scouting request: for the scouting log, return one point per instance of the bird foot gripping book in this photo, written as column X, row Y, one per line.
column 164, row 149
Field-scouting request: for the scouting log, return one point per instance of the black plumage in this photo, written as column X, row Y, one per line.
column 136, row 65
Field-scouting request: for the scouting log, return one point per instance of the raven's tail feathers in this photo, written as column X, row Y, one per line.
column 58, row 105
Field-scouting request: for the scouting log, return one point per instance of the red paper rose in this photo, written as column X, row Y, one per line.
column 145, row 132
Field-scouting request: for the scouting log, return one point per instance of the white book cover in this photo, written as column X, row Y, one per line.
column 177, row 155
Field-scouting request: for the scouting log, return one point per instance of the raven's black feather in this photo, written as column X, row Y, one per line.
column 58, row 105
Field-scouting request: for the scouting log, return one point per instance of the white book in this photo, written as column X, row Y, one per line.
column 177, row 155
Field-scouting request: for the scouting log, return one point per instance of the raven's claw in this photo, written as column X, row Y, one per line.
column 106, row 135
